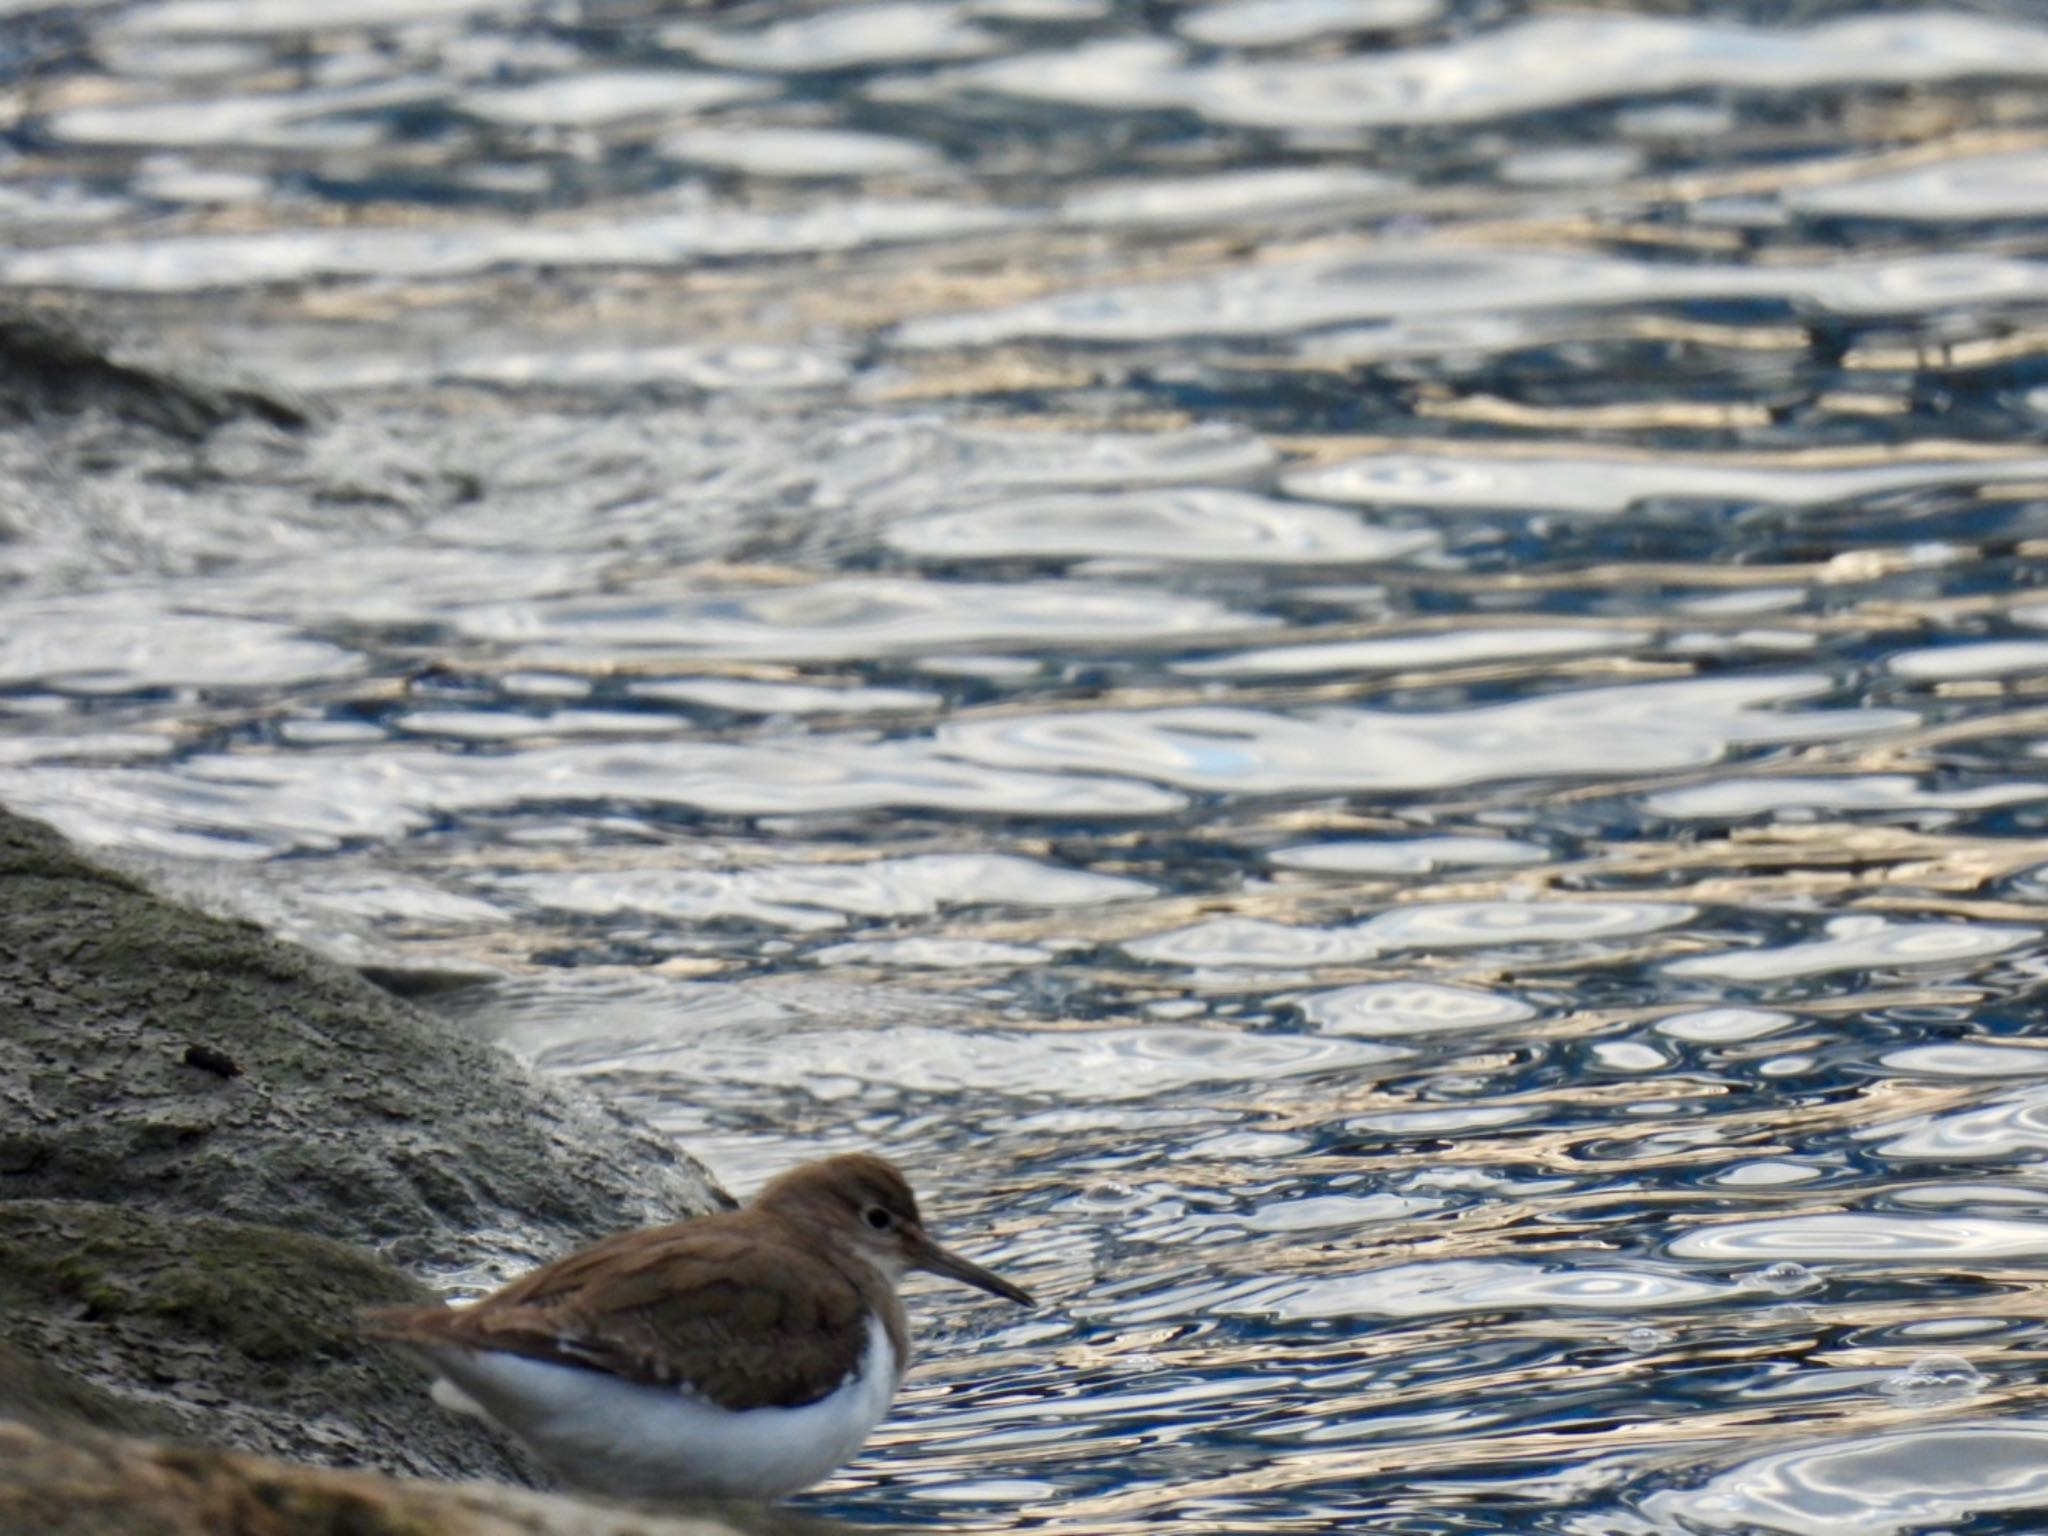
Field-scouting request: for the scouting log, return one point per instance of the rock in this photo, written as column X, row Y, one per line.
column 155, row 1056
column 213, row 1145
column 90, row 1484
column 204, row 1329
column 38, row 1393
column 61, row 361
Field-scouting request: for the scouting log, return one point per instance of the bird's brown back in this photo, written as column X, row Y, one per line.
column 738, row 1304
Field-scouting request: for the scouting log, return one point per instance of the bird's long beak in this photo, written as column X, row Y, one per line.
column 928, row 1255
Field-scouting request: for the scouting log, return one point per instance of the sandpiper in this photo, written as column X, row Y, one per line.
column 744, row 1354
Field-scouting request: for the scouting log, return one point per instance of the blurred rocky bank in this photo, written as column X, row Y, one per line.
column 214, row 1148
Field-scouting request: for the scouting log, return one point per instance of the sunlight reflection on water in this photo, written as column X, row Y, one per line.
column 1367, row 673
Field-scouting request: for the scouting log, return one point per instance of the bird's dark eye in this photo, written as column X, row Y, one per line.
column 878, row 1218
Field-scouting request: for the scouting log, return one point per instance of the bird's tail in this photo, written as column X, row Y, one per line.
column 410, row 1325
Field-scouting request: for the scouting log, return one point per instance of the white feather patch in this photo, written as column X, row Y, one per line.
column 635, row 1441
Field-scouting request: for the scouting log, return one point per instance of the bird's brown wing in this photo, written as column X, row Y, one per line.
column 725, row 1299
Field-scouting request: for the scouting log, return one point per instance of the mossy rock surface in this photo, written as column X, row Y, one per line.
column 153, row 1055
column 89, row 1484
column 218, row 1330
column 216, row 1147
column 33, row 1391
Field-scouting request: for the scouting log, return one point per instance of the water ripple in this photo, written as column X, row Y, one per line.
column 1916, row 1479
column 1393, row 653
column 801, row 152
column 593, row 97
column 1474, row 1285
column 1323, row 193
column 1167, row 613
column 931, row 954
column 1995, row 186
column 846, row 37
column 1846, row 1236
column 1989, row 658
column 258, row 18
column 747, row 697
column 729, row 369
column 851, row 619
column 1718, row 1026
column 1593, row 732
column 1272, row 23
column 1171, row 525
column 1407, row 282
column 1080, row 1066
column 186, row 263
column 2008, row 1127
column 1320, row 1213
column 1932, row 1380
column 1526, row 66
column 242, row 806
column 1735, row 798
column 298, row 119
column 1409, row 1008
column 1861, row 943
column 819, row 896
column 1607, row 487
column 1969, row 1058
column 1404, row 856
column 126, row 642
column 1227, row 942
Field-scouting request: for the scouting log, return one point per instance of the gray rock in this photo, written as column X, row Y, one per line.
column 156, row 1056
column 217, row 1330
column 61, row 362
column 214, row 1146
column 91, row 1484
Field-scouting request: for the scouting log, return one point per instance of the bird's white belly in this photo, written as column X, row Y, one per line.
column 637, row 1441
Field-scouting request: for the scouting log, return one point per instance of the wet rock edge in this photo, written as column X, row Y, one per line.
column 214, row 1148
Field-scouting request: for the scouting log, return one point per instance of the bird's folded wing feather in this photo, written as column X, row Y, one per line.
column 636, row 1304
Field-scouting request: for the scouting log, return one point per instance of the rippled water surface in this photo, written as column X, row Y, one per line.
column 1369, row 673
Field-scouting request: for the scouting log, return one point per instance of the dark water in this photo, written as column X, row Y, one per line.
column 1368, row 673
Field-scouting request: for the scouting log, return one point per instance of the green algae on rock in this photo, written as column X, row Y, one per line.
column 198, row 1328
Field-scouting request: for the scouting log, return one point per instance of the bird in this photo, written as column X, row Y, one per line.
column 744, row 1354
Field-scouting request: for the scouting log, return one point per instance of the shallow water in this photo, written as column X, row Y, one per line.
column 1368, row 673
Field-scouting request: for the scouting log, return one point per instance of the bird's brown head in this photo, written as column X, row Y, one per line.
column 865, row 1199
